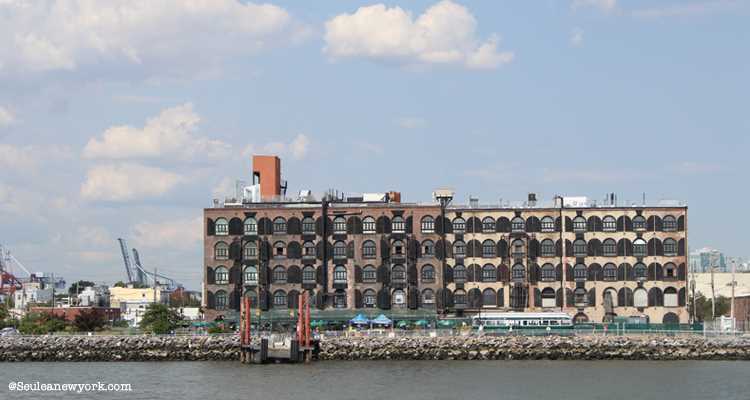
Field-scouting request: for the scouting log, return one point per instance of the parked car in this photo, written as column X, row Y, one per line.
column 9, row 331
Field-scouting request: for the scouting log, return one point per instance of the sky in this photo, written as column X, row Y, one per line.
column 125, row 118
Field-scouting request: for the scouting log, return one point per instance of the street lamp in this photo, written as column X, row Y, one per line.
column 443, row 196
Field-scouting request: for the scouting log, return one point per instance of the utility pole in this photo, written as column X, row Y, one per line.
column 563, row 258
column 731, row 313
column 713, row 296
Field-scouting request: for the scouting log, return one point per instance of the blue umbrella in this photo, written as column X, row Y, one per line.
column 359, row 320
column 382, row 320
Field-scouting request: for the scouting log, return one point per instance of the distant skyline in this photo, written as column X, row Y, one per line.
column 125, row 118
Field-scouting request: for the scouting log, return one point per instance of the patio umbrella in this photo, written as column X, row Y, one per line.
column 421, row 322
column 402, row 324
column 382, row 320
column 446, row 323
column 359, row 320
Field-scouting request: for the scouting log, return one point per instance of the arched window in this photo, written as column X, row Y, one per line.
column 339, row 249
column 308, row 226
column 428, row 224
column 548, row 224
column 339, row 225
column 221, row 275
column 369, row 274
column 279, row 226
column 279, row 298
column 253, row 296
column 488, row 249
column 368, row 298
column 251, row 250
column 489, row 298
column 459, row 274
column 579, row 224
column 547, row 248
column 579, row 297
column 428, row 248
column 397, row 224
column 548, row 273
column 488, row 225
column 579, row 272
column 518, row 273
column 670, row 247
column 398, row 273
column 308, row 249
column 610, row 272
column 489, row 273
column 399, row 299
column 221, row 227
column 669, row 223
column 251, row 275
column 579, row 248
column 670, row 270
column 639, row 247
column 250, row 226
column 609, row 248
column 459, row 248
column 428, row 274
column 459, row 297
column 221, row 251
column 610, row 297
column 609, row 224
column 279, row 274
column 639, row 223
column 518, row 249
column 220, row 300
column 279, row 249
column 640, row 298
column 398, row 248
column 670, row 297
column 640, row 271
column 368, row 249
column 339, row 274
column 517, row 224
column 368, row 225
column 428, row 296
column 459, row 225
column 308, row 274
column 548, row 298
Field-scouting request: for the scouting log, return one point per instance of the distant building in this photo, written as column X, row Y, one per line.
column 94, row 296
column 69, row 313
column 30, row 295
column 704, row 259
column 149, row 295
column 132, row 311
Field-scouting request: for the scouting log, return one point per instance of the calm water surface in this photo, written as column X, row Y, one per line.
column 507, row 380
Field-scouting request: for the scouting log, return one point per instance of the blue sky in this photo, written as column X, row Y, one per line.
column 124, row 119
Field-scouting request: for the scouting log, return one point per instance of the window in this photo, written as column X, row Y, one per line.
column 609, row 224
column 459, row 248
column 579, row 248
column 547, row 248
column 459, row 225
column 639, row 223
column 549, row 298
column 221, row 300
column 670, row 297
column 548, row 273
column 610, row 272
column 670, row 247
column 397, row 224
column 459, row 297
column 339, row 225
column 398, row 248
column 669, row 224
column 428, row 296
column 459, row 274
column 368, row 249
column 398, row 273
column 610, row 298
column 251, row 275
column 640, row 298
column 518, row 249
column 369, row 274
column 489, row 298
column 339, row 299
column 308, row 274
column 579, row 297
column 368, row 225
column 308, row 226
column 222, row 227
column 339, row 274
column 221, row 251
column 250, row 293
column 399, row 299
column 428, row 224
column 368, row 298
column 579, row 224
column 639, row 247
column 488, row 225
column 670, row 271
column 339, row 249
column 222, row 275
column 250, row 226
column 489, row 273
column 518, row 272
column 428, row 248
column 279, row 298
column 308, row 249
column 279, row 275
column 279, row 249
column 640, row 271
column 279, row 226
column 488, row 249
column 428, row 274
column 517, row 224
column 609, row 248
column 548, row 224
column 251, row 250
column 579, row 272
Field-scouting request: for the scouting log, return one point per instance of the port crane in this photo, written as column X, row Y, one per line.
column 13, row 274
column 137, row 273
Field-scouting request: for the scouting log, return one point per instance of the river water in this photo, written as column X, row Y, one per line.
column 333, row 380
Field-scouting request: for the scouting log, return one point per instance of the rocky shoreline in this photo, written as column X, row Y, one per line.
column 224, row 348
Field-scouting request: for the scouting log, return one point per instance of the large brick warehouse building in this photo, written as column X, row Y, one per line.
column 591, row 261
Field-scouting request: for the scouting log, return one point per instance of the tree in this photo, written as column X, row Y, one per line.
column 76, row 287
column 703, row 307
column 159, row 319
column 89, row 320
column 40, row 324
column 120, row 284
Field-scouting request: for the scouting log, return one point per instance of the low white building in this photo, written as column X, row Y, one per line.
column 31, row 295
column 190, row 313
column 94, row 296
column 133, row 311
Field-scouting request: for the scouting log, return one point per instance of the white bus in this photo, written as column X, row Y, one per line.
column 522, row 320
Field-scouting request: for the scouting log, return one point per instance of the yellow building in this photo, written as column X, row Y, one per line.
column 120, row 294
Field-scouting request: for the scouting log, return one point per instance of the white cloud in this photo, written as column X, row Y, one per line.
column 66, row 34
column 604, row 5
column 168, row 135
column 180, row 234
column 297, row 148
column 127, row 182
column 444, row 34
column 6, row 117
column 27, row 159
column 576, row 37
